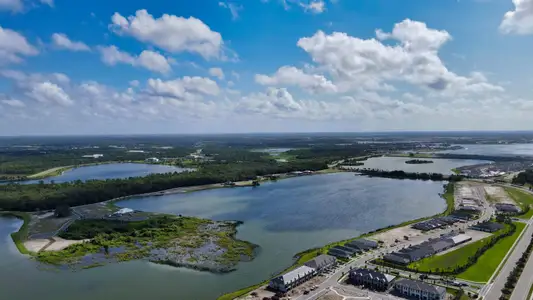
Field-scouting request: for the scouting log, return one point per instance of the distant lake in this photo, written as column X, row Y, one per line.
column 108, row 171
column 495, row 149
column 272, row 151
column 284, row 218
column 442, row 166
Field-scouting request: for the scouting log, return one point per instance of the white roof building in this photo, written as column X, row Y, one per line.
column 123, row 211
column 460, row 238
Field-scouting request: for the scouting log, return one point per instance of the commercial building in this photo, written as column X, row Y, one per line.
column 362, row 244
column 290, row 280
column 487, row 226
column 371, row 279
column 435, row 223
column 507, row 208
column 419, row 290
column 322, row 263
column 428, row 248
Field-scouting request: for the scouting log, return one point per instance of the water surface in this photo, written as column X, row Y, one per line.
column 109, row 171
column 495, row 149
column 284, row 218
column 442, row 166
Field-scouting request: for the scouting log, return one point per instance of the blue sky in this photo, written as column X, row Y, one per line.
column 99, row 67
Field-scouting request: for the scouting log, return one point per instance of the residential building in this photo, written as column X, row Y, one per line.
column 338, row 253
column 152, row 160
column 322, row 262
column 371, row 279
column 419, row 290
column 290, row 280
column 487, row 226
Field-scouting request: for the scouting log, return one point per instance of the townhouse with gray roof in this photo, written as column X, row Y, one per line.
column 419, row 290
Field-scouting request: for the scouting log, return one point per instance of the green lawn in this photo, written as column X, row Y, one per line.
column 490, row 260
column 524, row 199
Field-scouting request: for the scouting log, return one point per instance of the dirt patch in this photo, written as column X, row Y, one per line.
column 498, row 195
column 389, row 237
column 36, row 245
column 330, row 296
column 60, row 244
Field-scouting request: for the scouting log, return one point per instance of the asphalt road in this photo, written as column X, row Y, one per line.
column 525, row 281
column 493, row 290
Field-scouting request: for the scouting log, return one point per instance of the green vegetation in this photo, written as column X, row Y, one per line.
column 21, row 235
column 523, row 178
column 524, row 199
column 451, row 260
column 41, row 196
column 487, row 263
column 135, row 240
column 418, row 162
column 406, row 175
column 513, row 278
column 456, row 171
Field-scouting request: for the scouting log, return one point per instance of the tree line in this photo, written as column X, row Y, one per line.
column 523, row 177
column 32, row 197
column 397, row 174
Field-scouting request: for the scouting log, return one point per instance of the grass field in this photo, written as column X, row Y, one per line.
column 491, row 259
column 524, row 199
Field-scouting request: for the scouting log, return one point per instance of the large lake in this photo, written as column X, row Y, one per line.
column 284, row 218
column 495, row 149
column 109, row 171
column 442, row 166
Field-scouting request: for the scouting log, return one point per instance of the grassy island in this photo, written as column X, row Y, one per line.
column 418, row 162
column 178, row 241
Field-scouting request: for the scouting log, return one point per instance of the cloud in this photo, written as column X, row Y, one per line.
column 291, row 76
column 312, row 6
column 61, row 41
column 13, row 45
column 184, row 89
column 171, row 33
column 217, row 72
column 149, row 60
column 11, row 5
column 315, row 6
column 519, row 20
column 233, row 8
column 371, row 64
column 14, row 103
column 47, row 92
column 47, row 2
column 17, row 6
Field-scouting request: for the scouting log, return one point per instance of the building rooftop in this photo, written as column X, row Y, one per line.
column 373, row 274
column 294, row 274
column 320, row 261
column 421, row 286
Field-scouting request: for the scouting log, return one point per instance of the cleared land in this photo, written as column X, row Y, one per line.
column 487, row 264
column 524, row 199
column 497, row 194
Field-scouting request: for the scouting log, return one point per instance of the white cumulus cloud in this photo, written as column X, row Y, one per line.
column 13, row 103
column 288, row 75
column 217, row 72
column 170, row 32
column 61, row 41
column 13, row 45
column 519, row 20
column 48, row 92
column 148, row 59
column 186, row 88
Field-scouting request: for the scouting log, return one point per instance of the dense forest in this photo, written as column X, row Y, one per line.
column 524, row 177
column 406, row 175
column 48, row 196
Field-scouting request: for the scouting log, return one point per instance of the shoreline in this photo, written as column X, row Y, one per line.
column 301, row 257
